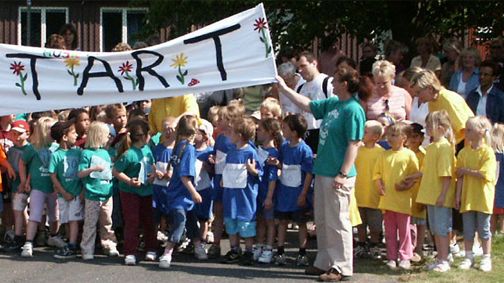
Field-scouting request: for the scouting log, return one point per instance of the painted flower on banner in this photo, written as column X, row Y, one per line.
column 17, row 69
column 125, row 69
column 178, row 62
column 261, row 25
column 70, row 63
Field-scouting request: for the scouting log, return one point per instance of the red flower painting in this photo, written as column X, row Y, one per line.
column 17, row 68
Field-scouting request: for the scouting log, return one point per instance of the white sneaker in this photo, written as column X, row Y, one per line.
column 442, row 266
column 405, row 264
column 477, row 250
column 392, row 264
column 130, row 260
column 454, row 249
column 210, row 237
column 87, row 256
column 200, row 252
column 150, row 256
column 162, row 236
column 165, row 261
column 56, row 241
column 432, row 265
column 466, row 264
column 257, row 251
column 27, row 250
column 266, row 256
column 486, row 264
column 113, row 252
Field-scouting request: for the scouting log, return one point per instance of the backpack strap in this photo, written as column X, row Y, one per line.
column 325, row 82
column 298, row 90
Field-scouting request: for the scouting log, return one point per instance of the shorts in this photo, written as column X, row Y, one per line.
column 298, row 216
column 372, row 218
column 204, row 209
column 39, row 200
column 440, row 220
column 246, row 229
column 267, row 214
column 475, row 220
column 19, row 201
column 72, row 210
column 418, row 221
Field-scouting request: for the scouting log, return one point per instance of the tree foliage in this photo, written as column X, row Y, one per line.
column 296, row 23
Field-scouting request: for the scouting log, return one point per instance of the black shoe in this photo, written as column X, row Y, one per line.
column 231, row 257
column 247, row 259
column 12, row 247
column 65, row 253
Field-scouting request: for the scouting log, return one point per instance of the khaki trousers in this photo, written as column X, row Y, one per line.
column 98, row 211
column 334, row 229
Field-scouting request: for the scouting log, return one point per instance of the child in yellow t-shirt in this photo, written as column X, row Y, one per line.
column 476, row 173
column 391, row 169
column 365, row 192
column 437, row 189
column 418, row 211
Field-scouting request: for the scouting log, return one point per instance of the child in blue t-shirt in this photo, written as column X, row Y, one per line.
column 204, row 176
column 181, row 195
column 240, row 181
column 269, row 135
column 296, row 162
column 64, row 168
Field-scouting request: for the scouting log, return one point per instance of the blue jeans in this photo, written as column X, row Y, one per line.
column 476, row 220
column 180, row 220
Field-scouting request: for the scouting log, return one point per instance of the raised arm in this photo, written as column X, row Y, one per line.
column 301, row 101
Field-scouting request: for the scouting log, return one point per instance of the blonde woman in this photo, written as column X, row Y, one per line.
column 387, row 98
column 466, row 78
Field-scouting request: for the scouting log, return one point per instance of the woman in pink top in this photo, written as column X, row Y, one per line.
column 387, row 98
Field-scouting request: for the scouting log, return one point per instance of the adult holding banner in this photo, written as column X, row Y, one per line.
column 342, row 127
column 171, row 107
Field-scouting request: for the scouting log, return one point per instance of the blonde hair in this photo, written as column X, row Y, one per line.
column 426, row 78
column 98, row 135
column 63, row 115
column 481, row 123
column 273, row 105
column 497, row 135
column 440, row 119
column 121, row 47
column 400, row 128
column 213, row 114
column 375, row 127
column 233, row 111
column 41, row 136
column 384, row 68
column 471, row 51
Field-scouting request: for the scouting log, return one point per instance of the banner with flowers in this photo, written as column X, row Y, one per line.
column 234, row 52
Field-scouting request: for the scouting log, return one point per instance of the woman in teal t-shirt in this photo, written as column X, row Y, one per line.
column 340, row 132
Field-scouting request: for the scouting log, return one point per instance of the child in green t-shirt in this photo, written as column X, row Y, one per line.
column 95, row 169
column 63, row 169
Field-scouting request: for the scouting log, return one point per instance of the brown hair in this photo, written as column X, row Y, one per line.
column 273, row 127
column 137, row 129
column 245, row 127
column 56, row 41
column 296, row 123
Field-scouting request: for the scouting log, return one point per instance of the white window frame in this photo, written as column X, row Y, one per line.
column 43, row 24
column 124, row 15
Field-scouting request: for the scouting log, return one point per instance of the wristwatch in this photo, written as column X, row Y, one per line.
column 343, row 175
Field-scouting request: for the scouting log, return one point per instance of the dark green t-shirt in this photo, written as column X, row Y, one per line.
column 37, row 162
column 136, row 163
column 65, row 164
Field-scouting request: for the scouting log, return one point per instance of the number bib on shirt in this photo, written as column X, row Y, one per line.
column 220, row 162
column 162, row 167
column 106, row 174
column 291, row 175
column 202, row 178
column 235, row 176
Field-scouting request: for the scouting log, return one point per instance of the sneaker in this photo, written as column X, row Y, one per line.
column 151, row 256
column 486, row 264
column 214, row 252
column 392, row 264
column 266, row 256
column 405, row 264
column 27, row 250
column 231, row 257
column 165, row 261
column 302, row 260
column 12, row 246
column 130, row 260
column 200, row 252
column 161, row 236
column 247, row 259
column 466, row 264
column 442, row 266
column 56, row 241
column 375, row 252
column 257, row 251
column 112, row 252
column 87, row 256
column 455, row 249
column 280, row 259
column 65, row 253
column 210, row 237
column 477, row 250
column 432, row 265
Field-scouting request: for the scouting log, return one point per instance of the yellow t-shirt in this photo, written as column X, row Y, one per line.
column 478, row 194
column 457, row 109
column 439, row 162
column 355, row 218
column 392, row 167
column 418, row 210
column 365, row 189
column 170, row 107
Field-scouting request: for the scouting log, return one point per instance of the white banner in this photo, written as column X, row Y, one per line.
column 234, row 52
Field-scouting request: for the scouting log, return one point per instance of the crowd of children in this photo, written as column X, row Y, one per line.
column 246, row 175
